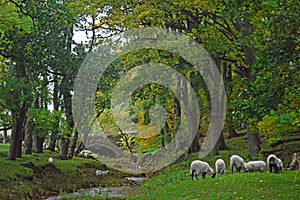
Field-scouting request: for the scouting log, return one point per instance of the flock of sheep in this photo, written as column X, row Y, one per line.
column 199, row 167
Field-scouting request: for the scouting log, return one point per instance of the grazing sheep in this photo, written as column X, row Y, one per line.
column 256, row 166
column 237, row 162
column 198, row 167
column 50, row 159
column 273, row 163
column 101, row 173
column 220, row 166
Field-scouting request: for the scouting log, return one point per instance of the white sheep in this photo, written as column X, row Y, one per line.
column 101, row 173
column 50, row 159
column 274, row 163
column 258, row 165
column 198, row 167
column 220, row 166
column 237, row 162
column 280, row 164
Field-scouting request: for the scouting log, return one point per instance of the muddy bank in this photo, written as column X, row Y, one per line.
column 48, row 181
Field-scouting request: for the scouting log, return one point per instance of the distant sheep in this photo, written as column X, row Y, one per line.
column 256, row 166
column 237, row 162
column 101, row 173
column 220, row 166
column 83, row 154
column 50, row 159
column 274, row 163
column 198, row 167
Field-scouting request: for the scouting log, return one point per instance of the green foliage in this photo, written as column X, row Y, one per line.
column 276, row 125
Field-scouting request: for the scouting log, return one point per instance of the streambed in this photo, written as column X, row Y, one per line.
column 101, row 191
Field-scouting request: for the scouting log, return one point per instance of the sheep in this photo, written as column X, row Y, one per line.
column 85, row 154
column 101, row 173
column 256, row 166
column 273, row 163
column 50, row 159
column 220, row 166
column 198, row 167
column 237, row 162
column 280, row 164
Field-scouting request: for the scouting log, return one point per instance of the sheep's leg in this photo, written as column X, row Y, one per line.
column 193, row 173
column 203, row 175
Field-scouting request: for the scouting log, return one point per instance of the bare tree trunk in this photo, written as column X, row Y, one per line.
column 29, row 127
column 28, row 136
column 54, row 132
column 231, row 130
column 191, row 118
column 222, row 143
column 67, row 97
column 5, row 136
column 38, row 144
column 253, row 142
column 15, row 147
column 63, row 154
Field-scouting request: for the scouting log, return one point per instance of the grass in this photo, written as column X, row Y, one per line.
column 32, row 176
column 175, row 183
column 13, row 169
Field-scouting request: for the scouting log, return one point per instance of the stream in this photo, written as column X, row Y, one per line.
column 110, row 191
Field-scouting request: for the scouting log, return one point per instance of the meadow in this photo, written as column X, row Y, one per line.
column 33, row 177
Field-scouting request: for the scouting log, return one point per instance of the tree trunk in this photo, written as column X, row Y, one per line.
column 5, row 136
column 19, row 105
column 253, row 142
column 221, row 143
column 54, row 132
column 28, row 136
column 38, row 144
column 29, row 127
column 73, row 145
column 191, row 118
column 232, row 132
column 162, row 139
column 67, row 97
column 63, row 154
column 15, row 147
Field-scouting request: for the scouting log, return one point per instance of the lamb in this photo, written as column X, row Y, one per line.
column 274, row 163
column 101, row 173
column 237, row 162
column 198, row 167
column 256, row 166
column 220, row 166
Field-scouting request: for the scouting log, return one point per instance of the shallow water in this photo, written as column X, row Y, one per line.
column 110, row 191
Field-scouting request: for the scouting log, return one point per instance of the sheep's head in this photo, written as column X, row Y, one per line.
column 244, row 167
column 213, row 175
